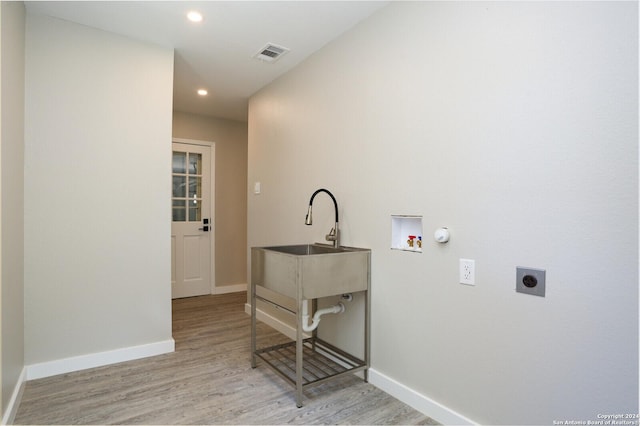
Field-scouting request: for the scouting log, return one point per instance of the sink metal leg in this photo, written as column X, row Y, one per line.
column 314, row 333
column 253, row 325
column 299, row 359
column 367, row 334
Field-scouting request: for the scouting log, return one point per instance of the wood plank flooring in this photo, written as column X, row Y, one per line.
column 208, row 380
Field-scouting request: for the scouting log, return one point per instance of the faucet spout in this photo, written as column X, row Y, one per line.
column 309, row 220
column 334, row 234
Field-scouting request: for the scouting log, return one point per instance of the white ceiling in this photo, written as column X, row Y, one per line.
column 216, row 54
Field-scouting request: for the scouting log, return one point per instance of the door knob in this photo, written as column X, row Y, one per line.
column 204, row 228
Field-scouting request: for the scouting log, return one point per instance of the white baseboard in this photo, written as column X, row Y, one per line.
column 425, row 405
column 14, row 402
column 82, row 362
column 232, row 288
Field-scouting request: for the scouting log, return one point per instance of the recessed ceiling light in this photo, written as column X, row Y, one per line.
column 194, row 16
column 202, row 92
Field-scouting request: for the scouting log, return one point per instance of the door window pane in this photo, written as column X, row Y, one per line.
column 195, row 164
column 195, row 211
column 179, row 162
column 195, row 187
column 179, row 210
column 179, row 186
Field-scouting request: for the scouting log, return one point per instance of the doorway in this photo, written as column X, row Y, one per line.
column 192, row 230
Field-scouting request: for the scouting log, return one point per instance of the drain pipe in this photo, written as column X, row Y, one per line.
column 335, row 309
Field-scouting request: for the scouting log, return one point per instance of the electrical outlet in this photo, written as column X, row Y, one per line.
column 530, row 281
column 467, row 271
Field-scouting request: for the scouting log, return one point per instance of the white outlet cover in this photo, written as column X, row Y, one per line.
column 468, row 271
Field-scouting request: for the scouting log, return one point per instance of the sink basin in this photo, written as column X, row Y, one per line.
column 310, row 271
column 308, row 249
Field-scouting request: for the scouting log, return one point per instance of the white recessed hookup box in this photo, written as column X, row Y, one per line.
column 406, row 233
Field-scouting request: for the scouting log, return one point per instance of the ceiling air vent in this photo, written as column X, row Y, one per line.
column 271, row 52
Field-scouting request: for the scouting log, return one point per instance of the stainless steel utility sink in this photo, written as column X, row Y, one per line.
column 309, row 249
column 310, row 271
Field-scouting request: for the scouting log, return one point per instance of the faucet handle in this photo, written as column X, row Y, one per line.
column 331, row 236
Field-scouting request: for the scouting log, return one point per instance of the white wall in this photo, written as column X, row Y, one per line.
column 230, row 224
column 97, row 215
column 12, row 203
column 515, row 125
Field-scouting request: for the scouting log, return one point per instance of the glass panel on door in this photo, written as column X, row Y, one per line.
column 195, row 164
column 195, row 211
column 187, row 187
column 179, row 186
column 179, row 211
column 179, row 162
column 195, row 187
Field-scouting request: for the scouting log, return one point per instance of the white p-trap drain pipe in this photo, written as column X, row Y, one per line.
column 335, row 309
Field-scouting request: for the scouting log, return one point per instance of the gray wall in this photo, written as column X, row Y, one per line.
column 230, row 139
column 514, row 124
column 12, row 190
column 97, row 216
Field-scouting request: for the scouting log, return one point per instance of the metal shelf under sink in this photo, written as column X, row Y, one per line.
column 321, row 361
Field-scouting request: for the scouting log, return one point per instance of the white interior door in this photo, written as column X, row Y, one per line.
column 191, row 226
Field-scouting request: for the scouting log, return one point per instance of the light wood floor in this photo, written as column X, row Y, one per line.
column 208, row 380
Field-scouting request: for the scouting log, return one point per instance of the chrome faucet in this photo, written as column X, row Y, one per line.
column 334, row 234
